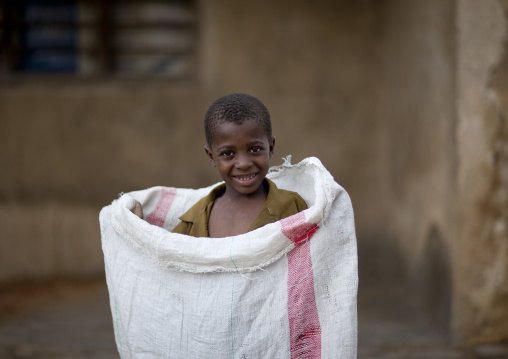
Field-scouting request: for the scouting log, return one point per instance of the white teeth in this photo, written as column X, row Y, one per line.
column 246, row 178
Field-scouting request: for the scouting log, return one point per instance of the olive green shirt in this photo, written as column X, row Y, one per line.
column 279, row 204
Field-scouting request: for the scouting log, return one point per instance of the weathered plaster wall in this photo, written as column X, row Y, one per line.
column 481, row 282
column 444, row 140
column 418, row 121
column 86, row 141
column 49, row 240
column 69, row 147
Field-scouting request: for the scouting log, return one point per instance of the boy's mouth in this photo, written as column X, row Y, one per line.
column 245, row 178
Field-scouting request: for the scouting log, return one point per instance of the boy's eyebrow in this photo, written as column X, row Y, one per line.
column 255, row 142
column 224, row 146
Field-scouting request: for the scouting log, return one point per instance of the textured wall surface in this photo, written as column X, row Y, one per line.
column 50, row 240
column 444, row 153
column 69, row 148
column 418, row 122
column 78, row 141
column 481, row 255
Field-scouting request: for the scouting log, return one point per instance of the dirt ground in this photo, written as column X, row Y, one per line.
column 72, row 320
column 56, row 320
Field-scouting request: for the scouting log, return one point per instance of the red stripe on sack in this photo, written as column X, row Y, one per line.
column 296, row 229
column 158, row 215
column 304, row 327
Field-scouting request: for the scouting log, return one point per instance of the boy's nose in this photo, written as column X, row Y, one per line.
column 243, row 161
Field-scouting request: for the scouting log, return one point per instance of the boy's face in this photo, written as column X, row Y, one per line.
column 241, row 154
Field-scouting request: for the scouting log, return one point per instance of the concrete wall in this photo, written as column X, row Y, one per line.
column 444, row 138
column 417, row 113
column 69, row 147
column 481, row 248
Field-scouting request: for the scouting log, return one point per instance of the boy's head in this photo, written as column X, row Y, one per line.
column 236, row 108
column 240, row 142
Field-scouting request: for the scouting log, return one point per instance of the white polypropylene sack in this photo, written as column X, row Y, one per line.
column 285, row 290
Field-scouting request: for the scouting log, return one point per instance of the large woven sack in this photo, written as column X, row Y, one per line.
column 285, row 290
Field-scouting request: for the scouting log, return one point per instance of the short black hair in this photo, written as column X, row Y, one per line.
column 236, row 108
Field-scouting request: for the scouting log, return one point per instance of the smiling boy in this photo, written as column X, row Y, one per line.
column 240, row 145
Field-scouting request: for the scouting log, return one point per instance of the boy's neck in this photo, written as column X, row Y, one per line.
column 233, row 213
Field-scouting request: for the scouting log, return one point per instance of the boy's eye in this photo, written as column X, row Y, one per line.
column 256, row 149
column 226, row 153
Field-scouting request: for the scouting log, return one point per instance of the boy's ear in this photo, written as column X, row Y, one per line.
column 208, row 151
column 271, row 143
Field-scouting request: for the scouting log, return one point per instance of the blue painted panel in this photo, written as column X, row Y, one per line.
column 46, row 61
column 50, row 39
